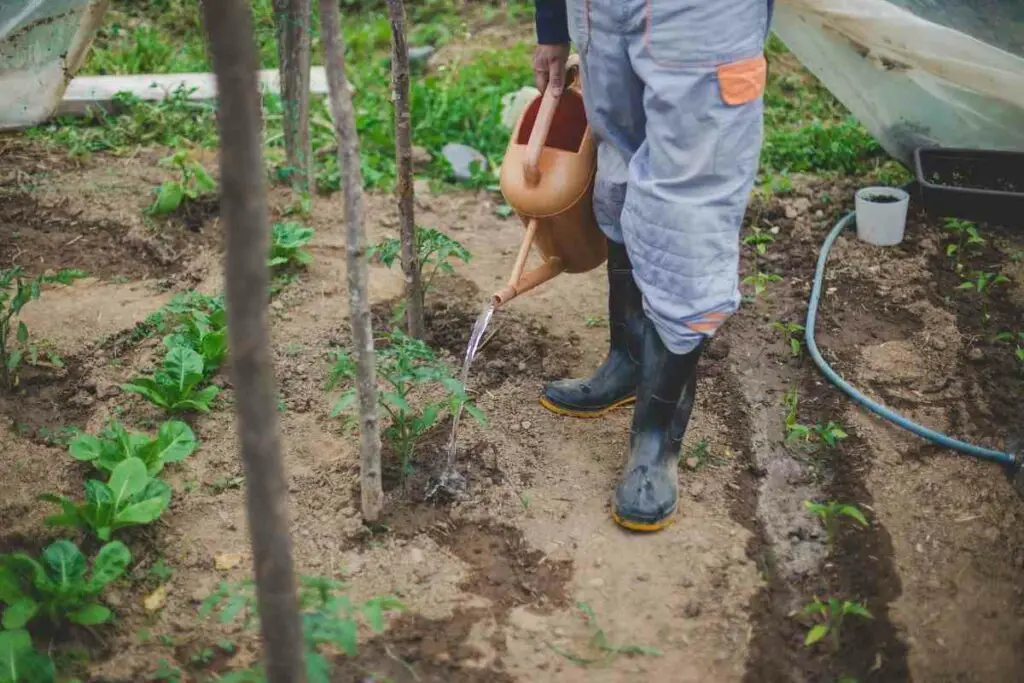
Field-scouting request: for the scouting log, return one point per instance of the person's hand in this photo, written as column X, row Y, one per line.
column 549, row 67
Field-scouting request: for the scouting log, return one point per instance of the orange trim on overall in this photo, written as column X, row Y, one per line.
column 708, row 322
column 743, row 81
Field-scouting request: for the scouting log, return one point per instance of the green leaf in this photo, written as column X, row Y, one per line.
column 22, row 333
column 64, row 563
column 858, row 609
column 13, row 645
column 817, row 632
column 149, row 389
column 91, row 615
column 19, row 613
column 175, row 441
column 374, row 616
column 86, row 447
column 14, row 360
column 141, row 513
column 184, row 367
column 396, row 400
column 855, row 513
column 169, row 197
column 110, row 564
column 204, row 183
column 347, row 637
column 127, row 479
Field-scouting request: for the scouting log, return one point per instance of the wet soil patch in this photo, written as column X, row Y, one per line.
column 514, row 345
column 49, row 237
column 47, row 401
column 420, row 650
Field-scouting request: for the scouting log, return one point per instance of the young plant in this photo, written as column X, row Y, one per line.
column 965, row 235
column 175, row 388
column 286, row 245
column 130, row 498
column 193, row 181
column 206, row 334
column 981, row 282
column 408, row 369
column 758, row 240
column 16, row 290
column 20, row 662
column 330, row 621
column 830, row 433
column 794, row 430
column 760, row 281
column 56, row 588
column 792, row 333
column 600, row 642
column 830, row 514
column 173, row 442
column 435, row 250
column 831, row 614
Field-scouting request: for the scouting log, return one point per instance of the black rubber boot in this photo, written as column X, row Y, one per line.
column 614, row 383
column 646, row 496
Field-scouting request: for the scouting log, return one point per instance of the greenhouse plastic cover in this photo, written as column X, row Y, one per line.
column 914, row 72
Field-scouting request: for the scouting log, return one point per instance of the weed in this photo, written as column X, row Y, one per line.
column 592, row 321
column 435, row 249
column 699, row 455
column 832, row 613
column 844, row 147
column 174, row 442
column 193, row 181
column 175, row 388
column 599, row 641
column 20, row 662
column 794, row 430
column 831, row 512
column 525, row 499
column 965, row 236
column 130, row 498
column 166, row 673
column 161, row 572
column 981, row 282
column 62, row 436
column 286, row 242
column 330, row 620
column 406, row 366
column 830, row 433
column 57, row 589
column 758, row 240
column 16, row 290
column 792, row 334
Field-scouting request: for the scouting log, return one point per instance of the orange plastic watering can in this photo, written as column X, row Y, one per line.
column 547, row 178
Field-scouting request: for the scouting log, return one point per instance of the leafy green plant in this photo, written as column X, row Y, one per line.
column 792, row 334
column 17, row 290
column 830, row 433
column 831, row 615
column 173, row 442
column 131, row 497
column 175, row 388
column 56, row 588
column 760, row 281
column 286, row 245
column 964, row 235
column 408, row 369
column 981, row 282
column 600, row 641
column 20, row 662
column 435, row 249
column 831, row 512
column 758, row 240
column 206, row 334
column 699, row 455
column 330, row 620
column 193, row 181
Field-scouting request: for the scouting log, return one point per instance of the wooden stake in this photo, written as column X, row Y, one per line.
column 359, row 307
column 403, row 161
column 292, row 20
column 244, row 213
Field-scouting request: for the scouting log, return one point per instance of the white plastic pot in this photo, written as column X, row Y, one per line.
column 881, row 215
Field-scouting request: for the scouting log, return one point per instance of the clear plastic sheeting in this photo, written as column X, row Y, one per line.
column 42, row 44
column 917, row 72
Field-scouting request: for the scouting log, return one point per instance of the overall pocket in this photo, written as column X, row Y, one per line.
column 687, row 33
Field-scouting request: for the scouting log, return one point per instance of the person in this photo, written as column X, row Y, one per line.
column 673, row 91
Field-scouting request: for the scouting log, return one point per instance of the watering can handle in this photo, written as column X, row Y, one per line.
column 542, row 125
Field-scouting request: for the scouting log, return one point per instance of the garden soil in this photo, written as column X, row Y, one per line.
column 497, row 582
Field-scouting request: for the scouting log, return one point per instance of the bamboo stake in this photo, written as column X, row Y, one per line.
column 359, row 307
column 403, row 160
column 292, row 23
column 244, row 212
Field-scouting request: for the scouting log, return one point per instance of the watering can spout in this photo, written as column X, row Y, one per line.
column 547, row 177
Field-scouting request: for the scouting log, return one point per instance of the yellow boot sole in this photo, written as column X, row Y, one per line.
column 645, row 527
column 585, row 414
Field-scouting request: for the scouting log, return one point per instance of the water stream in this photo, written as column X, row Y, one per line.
column 450, row 479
